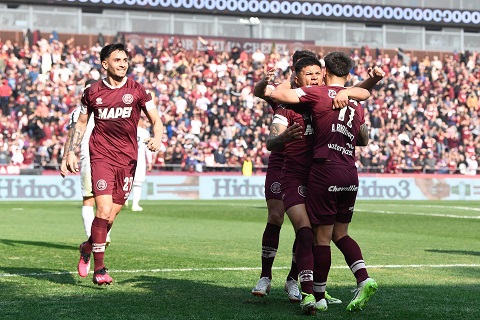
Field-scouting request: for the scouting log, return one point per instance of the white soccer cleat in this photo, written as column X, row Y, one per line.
column 291, row 288
column 321, row 305
column 137, row 208
column 262, row 288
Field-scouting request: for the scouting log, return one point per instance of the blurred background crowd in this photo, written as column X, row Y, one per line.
column 424, row 115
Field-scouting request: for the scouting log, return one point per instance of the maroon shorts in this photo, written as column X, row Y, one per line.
column 331, row 193
column 273, row 188
column 115, row 181
column 294, row 191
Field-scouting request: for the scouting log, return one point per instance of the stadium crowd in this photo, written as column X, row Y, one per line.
column 424, row 115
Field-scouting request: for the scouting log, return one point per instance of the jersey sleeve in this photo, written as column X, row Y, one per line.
column 280, row 117
column 146, row 99
column 74, row 118
column 85, row 106
column 308, row 94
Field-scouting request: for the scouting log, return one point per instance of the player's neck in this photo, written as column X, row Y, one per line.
column 114, row 81
column 335, row 81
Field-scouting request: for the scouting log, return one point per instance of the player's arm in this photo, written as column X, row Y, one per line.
column 262, row 86
column 342, row 98
column 283, row 94
column 74, row 139
column 153, row 143
column 363, row 137
column 375, row 74
column 281, row 133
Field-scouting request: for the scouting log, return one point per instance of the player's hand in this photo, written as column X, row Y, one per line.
column 341, row 100
column 376, row 73
column 293, row 132
column 270, row 75
column 153, row 144
column 63, row 168
column 72, row 163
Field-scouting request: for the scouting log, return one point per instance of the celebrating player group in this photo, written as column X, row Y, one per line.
column 317, row 125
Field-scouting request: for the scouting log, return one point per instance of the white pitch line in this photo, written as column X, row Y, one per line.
column 392, row 266
column 433, row 206
column 420, row 214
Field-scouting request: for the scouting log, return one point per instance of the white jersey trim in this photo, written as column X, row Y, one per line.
column 115, row 87
column 279, row 119
column 300, row 93
column 150, row 105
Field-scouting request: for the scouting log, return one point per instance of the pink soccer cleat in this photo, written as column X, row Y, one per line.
column 101, row 277
column 84, row 263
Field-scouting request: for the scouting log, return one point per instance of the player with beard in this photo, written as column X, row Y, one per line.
column 116, row 102
column 333, row 180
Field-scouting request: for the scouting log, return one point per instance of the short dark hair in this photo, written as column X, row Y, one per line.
column 306, row 62
column 300, row 54
column 339, row 63
column 109, row 48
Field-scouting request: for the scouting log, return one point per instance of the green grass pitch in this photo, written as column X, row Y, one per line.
column 200, row 260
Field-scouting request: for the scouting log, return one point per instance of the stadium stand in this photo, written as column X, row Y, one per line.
column 424, row 116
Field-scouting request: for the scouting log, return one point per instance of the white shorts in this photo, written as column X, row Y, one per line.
column 86, row 174
column 140, row 174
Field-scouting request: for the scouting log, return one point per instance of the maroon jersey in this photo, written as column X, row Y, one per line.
column 335, row 129
column 116, row 111
column 297, row 153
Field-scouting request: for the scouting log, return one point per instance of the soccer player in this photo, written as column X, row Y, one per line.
column 287, row 123
column 276, row 211
column 116, row 102
column 88, row 202
column 333, row 181
column 144, row 163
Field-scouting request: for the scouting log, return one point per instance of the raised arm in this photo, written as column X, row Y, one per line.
column 262, row 87
column 283, row 94
column 375, row 74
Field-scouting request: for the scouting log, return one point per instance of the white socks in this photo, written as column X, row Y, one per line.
column 88, row 214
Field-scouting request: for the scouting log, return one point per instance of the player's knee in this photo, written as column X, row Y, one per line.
column 103, row 212
column 276, row 217
column 337, row 235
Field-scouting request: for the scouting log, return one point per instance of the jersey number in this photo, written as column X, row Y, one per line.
column 127, row 183
column 341, row 115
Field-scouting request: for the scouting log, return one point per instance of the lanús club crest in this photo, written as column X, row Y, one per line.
column 127, row 98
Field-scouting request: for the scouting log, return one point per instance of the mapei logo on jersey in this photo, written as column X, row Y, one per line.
column 127, row 98
column 99, row 101
column 114, row 113
column 332, row 93
column 101, row 185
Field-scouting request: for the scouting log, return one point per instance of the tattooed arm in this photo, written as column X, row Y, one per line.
column 279, row 134
column 75, row 136
column 362, row 138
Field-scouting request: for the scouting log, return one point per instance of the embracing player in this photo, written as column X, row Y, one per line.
column 333, row 180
